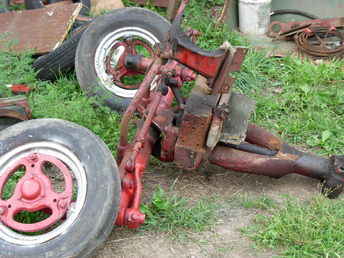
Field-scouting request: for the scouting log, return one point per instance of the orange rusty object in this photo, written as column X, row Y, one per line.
column 15, row 107
column 262, row 137
column 232, row 63
column 40, row 30
column 19, row 88
column 242, row 161
column 190, row 146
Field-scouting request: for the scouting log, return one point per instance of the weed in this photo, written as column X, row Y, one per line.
column 16, row 69
column 172, row 214
column 313, row 229
column 5, row 91
column 262, row 202
column 305, row 109
column 11, row 184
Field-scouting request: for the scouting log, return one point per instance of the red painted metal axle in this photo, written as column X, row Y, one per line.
column 198, row 129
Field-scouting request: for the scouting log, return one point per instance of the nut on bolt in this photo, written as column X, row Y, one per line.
column 2, row 210
column 62, row 204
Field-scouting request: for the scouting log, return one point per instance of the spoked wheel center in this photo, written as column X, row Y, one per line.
column 110, row 56
column 115, row 60
column 34, row 192
column 43, row 189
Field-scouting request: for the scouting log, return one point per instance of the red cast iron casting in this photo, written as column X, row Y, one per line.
column 34, row 192
column 189, row 132
column 121, row 70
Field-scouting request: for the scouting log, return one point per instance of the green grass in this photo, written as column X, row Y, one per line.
column 304, row 104
column 11, row 184
column 64, row 100
column 175, row 215
column 262, row 202
column 301, row 101
column 299, row 229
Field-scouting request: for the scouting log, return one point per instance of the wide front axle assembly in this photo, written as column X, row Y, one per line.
column 211, row 125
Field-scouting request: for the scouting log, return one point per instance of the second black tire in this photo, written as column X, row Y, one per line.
column 59, row 61
column 35, row 4
column 122, row 20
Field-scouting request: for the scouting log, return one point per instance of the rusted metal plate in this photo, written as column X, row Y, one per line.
column 216, row 126
column 172, row 9
column 159, row 3
column 191, row 143
column 232, row 63
column 40, row 30
column 235, row 127
column 15, row 107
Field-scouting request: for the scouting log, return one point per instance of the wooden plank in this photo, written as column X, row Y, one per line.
column 172, row 9
column 98, row 6
column 40, row 30
column 159, row 3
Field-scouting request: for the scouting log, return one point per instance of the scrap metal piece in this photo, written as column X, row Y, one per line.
column 191, row 144
column 207, row 63
column 41, row 30
column 172, row 9
column 233, row 63
column 280, row 29
column 220, row 114
column 235, row 127
column 19, row 88
column 15, row 107
column 321, row 42
column 13, row 110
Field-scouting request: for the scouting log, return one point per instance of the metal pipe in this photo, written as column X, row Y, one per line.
column 274, row 166
column 261, row 137
column 142, row 91
column 250, row 148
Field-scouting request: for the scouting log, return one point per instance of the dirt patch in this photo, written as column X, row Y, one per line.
column 224, row 239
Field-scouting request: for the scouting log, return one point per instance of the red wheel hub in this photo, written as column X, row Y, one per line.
column 31, row 189
column 34, row 192
column 119, row 71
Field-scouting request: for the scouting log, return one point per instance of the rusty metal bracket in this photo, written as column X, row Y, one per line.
column 191, row 144
column 15, row 107
column 280, row 29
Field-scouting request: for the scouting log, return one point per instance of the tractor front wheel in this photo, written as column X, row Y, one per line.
column 59, row 187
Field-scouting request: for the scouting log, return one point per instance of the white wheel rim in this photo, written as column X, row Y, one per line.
column 104, row 49
column 67, row 157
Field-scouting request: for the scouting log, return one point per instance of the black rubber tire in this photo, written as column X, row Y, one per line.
column 35, row 4
column 86, row 7
column 98, row 214
column 59, row 61
column 102, row 26
column 7, row 122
